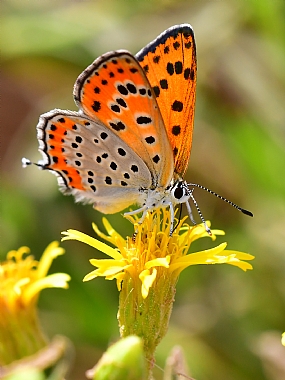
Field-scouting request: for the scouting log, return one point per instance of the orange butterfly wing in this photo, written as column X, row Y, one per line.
column 115, row 90
column 170, row 66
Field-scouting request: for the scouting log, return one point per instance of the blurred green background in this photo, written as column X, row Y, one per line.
column 228, row 322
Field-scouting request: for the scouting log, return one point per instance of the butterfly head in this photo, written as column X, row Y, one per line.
column 180, row 192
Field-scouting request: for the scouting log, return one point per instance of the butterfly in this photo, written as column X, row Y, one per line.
column 130, row 141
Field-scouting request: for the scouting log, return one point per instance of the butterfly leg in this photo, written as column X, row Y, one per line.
column 171, row 209
column 199, row 212
column 189, row 210
column 143, row 209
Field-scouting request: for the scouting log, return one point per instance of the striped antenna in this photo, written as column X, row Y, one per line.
column 246, row 212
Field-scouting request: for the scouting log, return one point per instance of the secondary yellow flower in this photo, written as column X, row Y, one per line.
column 152, row 252
column 283, row 339
column 21, row 280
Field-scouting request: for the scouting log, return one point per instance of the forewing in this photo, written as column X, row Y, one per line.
column 170, row 66
column 115, row 90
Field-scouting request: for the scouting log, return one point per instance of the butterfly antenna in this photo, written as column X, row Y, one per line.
column 26, row 162
column 246, row 212
column 199, row 212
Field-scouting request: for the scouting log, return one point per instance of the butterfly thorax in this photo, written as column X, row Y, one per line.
column 176, row 192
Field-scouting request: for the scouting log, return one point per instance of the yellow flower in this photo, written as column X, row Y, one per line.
column 283, row 339
column 21, row 280
column 152, row 252
column 147, row 267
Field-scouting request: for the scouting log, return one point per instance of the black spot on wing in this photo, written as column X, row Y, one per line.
column 144, row 120
column 146, row 69
column 115, row 108
column 150, row 139
column 156, row 59
column 122, row 90
column 121, row 152
column 156, row 159
column 176, row 129
column 132, row 88
column 187, row 73
column 119, row 126
column 113, row 165
column 177, row 106
column 166, row 49
column 121, row 102
column 96, row 106
column 156, row 91
column 142, row 91
column 176, row 45
column 188, row 44
column 178, row 67
column 163, row 84
column 170, row 68
column 134, row 168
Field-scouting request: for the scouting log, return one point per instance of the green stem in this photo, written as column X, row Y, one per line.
column 147, row 318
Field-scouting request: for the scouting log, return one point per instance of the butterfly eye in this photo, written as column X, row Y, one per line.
column 180, row 191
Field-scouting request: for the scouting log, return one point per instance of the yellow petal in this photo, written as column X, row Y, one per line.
column 240, row 255
column 90, row 276
column 147, row 280
column 18, row 254
column 201, row 257
column 20, row 284
column 80, row 236
column 56, row 280
column 108, row 267
column 213, row 256
column 113, row 236
column 159, row 262
column 112, row 232
column 50, row 253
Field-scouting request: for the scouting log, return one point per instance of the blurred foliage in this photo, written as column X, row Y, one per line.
column 221, row 316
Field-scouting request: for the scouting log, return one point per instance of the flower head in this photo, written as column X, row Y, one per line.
column 152, row 252
column 21, row 280
column 147, row 267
